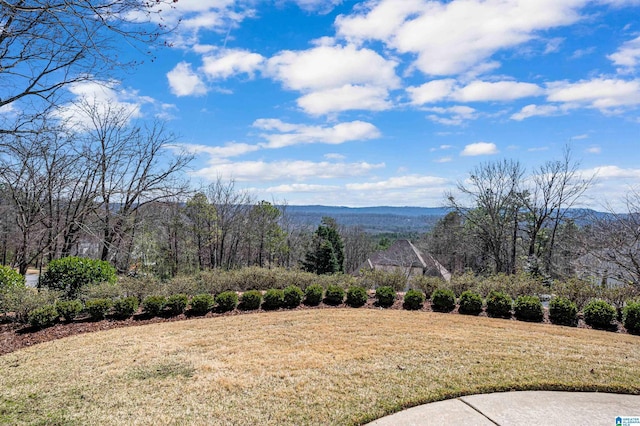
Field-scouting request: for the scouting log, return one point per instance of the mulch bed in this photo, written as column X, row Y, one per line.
column 15, row 336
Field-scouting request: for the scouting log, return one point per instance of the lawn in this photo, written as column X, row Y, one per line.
column 329, row 366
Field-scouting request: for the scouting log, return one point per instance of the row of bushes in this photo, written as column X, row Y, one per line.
column 597, row 313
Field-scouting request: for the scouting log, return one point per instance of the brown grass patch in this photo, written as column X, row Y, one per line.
column 337, row 366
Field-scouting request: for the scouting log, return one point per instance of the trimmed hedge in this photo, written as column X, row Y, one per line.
column 226, row 301
column 292, row 297
column 385, row 296
column 250, row 300
column 202, row 303
column 273, row 299
column 176, row 304
column 313, row 295
column 499, row 304
column 98, row 308
column 599, row 314
column 69, row 309
column 470, row 303
column 125, row 307
column 563, row 311
column 70, row 274
column 413, row 300
column 443, row 300
column 153, row 305
column 334, row 295
column 528, row 308
column 45, row 316
column 631, row 317
column 356, row 296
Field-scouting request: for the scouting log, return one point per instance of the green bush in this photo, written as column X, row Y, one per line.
column 499, row 304
column 334, row 295
column 631, row 317
column 69, row 309
column 563, row 311
column 578, row 291
column 292, row 297
column 385, row 296
column 22, row 300
column 70, row 274
column 413, row 300
column 250, row 300
column 202, row 303
column 273, row 299
column 153, row 305
column 10, row 278
column 176, row 304
column 599, row 314
column 104, row 290
column 443, row 300
column 226, row 301
column 98, row 308
column 528, row 308
column 125, row 307
column 378, row 278
column 313, row 295
column 356, row 296
column 461, row 283
column 470, row 303
column 43, row 317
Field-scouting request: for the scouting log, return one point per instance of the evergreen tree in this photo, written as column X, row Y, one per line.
column 326, row 255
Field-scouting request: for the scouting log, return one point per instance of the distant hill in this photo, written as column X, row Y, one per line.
column 376, row 220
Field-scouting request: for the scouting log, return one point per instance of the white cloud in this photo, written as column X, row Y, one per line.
column 612, row 172
column 345, row 98
column 594, row 149
column 443, row 160
column 480, row 148
column 398, row 182
column 227, row 62
column 334, row 156
column 302, row 187
column 479, row 91
column 326, row 67
column 452, row 116
column 296, row 170
column 231, row 149
column 184, row 82
column 600, row 93
column 296, row 134
column 535, row 111
column 432, row 91
column 320, row 6
column 628, row 56
column 453, row 37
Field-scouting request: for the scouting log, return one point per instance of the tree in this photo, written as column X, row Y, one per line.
column 265, row 233
column 47, row 45
column 203, row 218
column 326, row 255
column 492, row 189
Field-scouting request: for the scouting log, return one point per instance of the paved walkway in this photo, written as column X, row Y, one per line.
column 523, row 408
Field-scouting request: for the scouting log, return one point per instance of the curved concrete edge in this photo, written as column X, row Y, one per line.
column 521, row 408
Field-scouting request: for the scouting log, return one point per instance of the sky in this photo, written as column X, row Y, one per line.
column 393, row 102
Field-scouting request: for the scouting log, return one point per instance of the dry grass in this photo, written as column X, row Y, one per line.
column 327, row 366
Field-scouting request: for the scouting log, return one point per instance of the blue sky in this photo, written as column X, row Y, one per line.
column 391, row 102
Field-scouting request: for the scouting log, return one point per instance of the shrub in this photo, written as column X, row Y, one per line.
column 250, row 300
column 356, row 296
column 202, row 303
column 125, row 307
column 385, row 296
column 140, row 286
column 153, row 305
column 44, row 316
column 98, row 308
column 563, row 311
column 427, row 284
column 104, row 290
column 528, row 308
column 599, row 314
column 177, row 303
column 226, row 301
column 578, row 291
column 413, row 300
column 23, row 300
column 273, row 299
column 631, row 317
column 69, row 309
column 334, row 295
column 10, row 278
column 378, row 278
column 443, row 300
column 292, row 296
column 461, row 283
column 499, row 304
column 470, row 303
column 313, row 295
column 70, row 274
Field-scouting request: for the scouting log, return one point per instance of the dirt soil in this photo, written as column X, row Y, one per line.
column 15, row 336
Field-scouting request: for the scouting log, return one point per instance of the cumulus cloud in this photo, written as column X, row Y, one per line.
column 479, row 91
column 432, row 91
column 452, row 116
column 533, row 110
column 600, row 93
column 302, row 187
column 480, row 148
column 398, row 182
column 184, row 82
column 225, row 63
column 230, row 149
column 280, row 134
column 627, row 57
column 345, row 98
